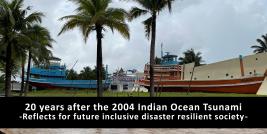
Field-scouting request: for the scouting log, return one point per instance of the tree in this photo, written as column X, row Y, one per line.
column 15, row 22
column 104, row 71
column 72, row 74
column 96, row 15
column 87, row 74
column 262, row 47
column 190, row 56
column 153, row 8
column 26, row 24
column 158, row 60
column 14, row 70
column 13, row 41
column 38, row 51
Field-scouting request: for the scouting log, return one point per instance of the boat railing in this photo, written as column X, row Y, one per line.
column 45, row 72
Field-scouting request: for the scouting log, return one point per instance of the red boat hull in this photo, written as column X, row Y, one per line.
column 241, row 86
column 43, row 85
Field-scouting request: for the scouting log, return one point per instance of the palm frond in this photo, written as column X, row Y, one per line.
column 265, row 38
column 136, row 12
column 146, row 4
column 148, row 26
column 169, row 3
column 96, row 12
column 190, row 56
column 35, row 17
column 262, row 43
column 70, row 24
column 116, row 13
column 256, row 47
column 86, row 30
column 86, row 5
column 119, row 26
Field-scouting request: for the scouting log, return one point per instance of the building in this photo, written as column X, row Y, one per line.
column 126, row 81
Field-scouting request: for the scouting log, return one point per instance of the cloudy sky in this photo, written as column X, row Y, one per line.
column 220, row 29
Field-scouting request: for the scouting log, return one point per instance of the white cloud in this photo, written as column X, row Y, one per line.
column 220, row 29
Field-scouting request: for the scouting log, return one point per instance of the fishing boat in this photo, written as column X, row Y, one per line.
column 54, row 76
column 244, row 75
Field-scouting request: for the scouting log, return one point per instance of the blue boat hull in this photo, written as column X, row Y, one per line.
column 79, row 84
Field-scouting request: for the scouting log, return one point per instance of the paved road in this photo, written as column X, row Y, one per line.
column 134, row 131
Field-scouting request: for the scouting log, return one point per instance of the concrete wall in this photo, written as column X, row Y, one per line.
column 255, row 64
column 188, row 68
column 263, row 88
column 229, row 69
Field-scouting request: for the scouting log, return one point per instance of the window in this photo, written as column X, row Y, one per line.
column 114, row 87
column 125, row 87
column 256, row 58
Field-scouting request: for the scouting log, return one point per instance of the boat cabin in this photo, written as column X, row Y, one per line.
column 169, row 59
column 54, row 71
column 168, row 69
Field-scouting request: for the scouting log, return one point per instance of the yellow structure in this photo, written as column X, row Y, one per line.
column 263, row 88
column 228, row 69
column 253, row 65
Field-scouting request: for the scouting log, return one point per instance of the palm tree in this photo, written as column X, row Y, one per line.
column 96, row 15
column 6, row 26
column 22, row 58
column 14, row 70
column 13, row 23
column 39, row 48
column 25, row 23
column 263, row 45
column 190, row 56
column 72, row 74
column 12, row 40
column 153, row 8
column 86, row 74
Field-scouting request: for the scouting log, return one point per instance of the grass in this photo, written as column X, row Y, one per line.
column 92, row 93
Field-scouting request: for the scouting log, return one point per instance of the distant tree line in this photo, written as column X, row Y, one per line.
column 86, row 74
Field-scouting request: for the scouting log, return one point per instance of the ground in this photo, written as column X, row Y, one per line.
column 92, row 93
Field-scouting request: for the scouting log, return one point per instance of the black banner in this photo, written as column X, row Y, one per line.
column 133, row 112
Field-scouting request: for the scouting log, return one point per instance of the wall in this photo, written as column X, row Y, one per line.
column 229, row 69
column 188, row 68
column 257, row 63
